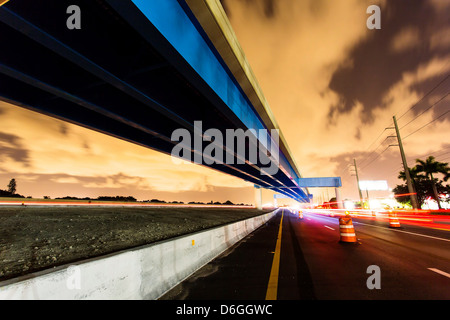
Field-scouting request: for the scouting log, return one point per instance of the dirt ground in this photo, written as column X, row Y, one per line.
column 37, row 238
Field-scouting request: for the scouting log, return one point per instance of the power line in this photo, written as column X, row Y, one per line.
column 433, row 153
column 376, row 157
column 416, row 117
column 425, row 101
column 374, row 151
column 434, row 104
column 444, row 159
column 424, row 96
column 377, row 138
column 381, row 144
column 440, row 155
column 436, row 154
column 428, row 123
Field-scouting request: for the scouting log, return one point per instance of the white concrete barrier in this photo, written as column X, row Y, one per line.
column 146, row 272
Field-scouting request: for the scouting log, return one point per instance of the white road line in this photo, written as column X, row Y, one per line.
column 416, row 234
column 328, row 227
column 445, row 274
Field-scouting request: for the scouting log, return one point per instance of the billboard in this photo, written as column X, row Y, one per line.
column 373, row 185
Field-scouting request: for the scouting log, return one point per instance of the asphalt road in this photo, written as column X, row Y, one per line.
column 408, row 263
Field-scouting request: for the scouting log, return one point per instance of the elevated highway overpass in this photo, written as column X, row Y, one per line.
column 138, row 70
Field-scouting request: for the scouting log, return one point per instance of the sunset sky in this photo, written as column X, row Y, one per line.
column 332, row 84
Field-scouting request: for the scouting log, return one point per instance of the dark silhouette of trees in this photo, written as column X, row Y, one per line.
column 423, row 177
column 429, row 167
column 10, row 191
column 12, row 186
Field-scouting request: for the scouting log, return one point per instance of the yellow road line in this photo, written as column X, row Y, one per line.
column 272, row 287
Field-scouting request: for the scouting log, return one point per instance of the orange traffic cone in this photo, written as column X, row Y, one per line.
column 347, row 230
column 393, row 220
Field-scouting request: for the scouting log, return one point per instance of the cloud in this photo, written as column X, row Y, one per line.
column 62, row 184
column 11, row 148
column 117, row 181
column 334, row 86
column 294, row 58
column 83, row 159
column 266, row 8
column 440, row 39
column 405, row 40
column 440, row 5
column 65, row 180
column 63, row 129
column 380, row 60
column 409, row 93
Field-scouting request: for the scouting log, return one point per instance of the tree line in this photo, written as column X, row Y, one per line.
column 10, row 191
column 12, row 188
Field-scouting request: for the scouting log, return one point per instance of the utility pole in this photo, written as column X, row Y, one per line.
column 405, row 167
column 357, row 183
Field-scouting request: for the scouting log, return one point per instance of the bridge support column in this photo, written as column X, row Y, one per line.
column 258, row 197
column 338, row 198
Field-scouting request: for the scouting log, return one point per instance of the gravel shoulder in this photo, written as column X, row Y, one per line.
column 37, row 238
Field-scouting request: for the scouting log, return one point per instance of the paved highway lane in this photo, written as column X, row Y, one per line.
column 412, row 263
column 404, row 258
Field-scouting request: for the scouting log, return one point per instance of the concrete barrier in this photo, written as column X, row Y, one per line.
column 146, row 272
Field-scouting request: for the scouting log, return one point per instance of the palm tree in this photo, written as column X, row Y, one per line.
column 414, row 173
column 416, row 179
column 430, row 166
